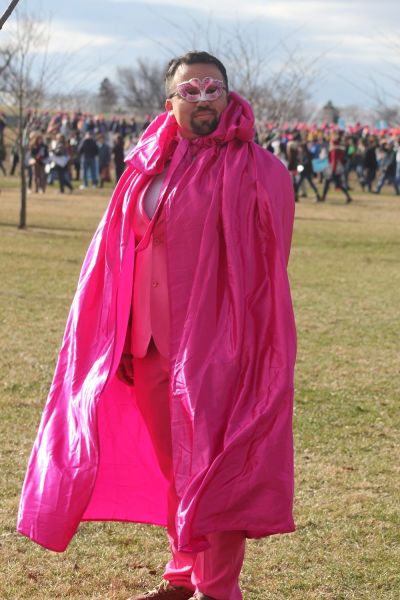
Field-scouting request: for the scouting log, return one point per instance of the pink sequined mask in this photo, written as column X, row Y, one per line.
column 196, row 90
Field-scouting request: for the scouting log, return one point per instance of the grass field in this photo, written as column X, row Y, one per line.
column 346, row 281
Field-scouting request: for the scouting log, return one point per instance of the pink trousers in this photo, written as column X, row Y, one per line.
column 214, row 572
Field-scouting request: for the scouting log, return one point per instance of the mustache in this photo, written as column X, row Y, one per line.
column 201, row 110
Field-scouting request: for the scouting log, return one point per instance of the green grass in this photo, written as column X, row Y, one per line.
column 346, row 279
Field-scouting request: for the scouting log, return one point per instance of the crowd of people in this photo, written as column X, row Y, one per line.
column 82, row 149
column 329, row 156
column 73, row 149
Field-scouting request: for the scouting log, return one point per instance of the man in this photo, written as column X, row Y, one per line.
column 337, row 159
column 119, row 154
column 89, row 151
column 306, row 171
column 172, row 398
column 369, row 164
column 104, row 160
column 388, row 169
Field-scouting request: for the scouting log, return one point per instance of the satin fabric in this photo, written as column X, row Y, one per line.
column 214, row 572
column 229, row 213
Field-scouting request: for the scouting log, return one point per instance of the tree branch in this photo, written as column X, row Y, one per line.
column 8, row 13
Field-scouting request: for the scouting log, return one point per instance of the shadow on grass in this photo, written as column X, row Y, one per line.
column 327, row 219
column 47, row 228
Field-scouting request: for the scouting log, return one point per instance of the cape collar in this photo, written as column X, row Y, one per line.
column 161, row 138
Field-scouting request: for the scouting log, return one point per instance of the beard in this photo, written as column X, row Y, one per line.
column 204, row 126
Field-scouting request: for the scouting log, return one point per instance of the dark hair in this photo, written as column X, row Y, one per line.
column 192, row 58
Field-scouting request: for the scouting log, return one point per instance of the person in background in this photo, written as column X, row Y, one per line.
column 39, row 158
column 118, row 152
column 351, row 160
column 61, row 159
column 369, row 165
column 29, row 162
column 388, row 169
column 3, row 125
column 88, row 150
column 398, row 162
column 14, row 158
column 292, row 152
column 75, row 159
column 337, row 159
column 3, row 155
column 146, row 122
column 323, row 154
column 104, row 160
column 305, row 171
column 279, row 150
column 133, row 127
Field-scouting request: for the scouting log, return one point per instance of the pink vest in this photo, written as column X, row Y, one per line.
column 150, row 305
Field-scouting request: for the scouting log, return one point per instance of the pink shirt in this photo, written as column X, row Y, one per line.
column 150, row 305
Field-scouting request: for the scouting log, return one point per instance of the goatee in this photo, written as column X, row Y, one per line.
column 204, row 127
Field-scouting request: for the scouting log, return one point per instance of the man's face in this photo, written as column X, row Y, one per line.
column 196, row 118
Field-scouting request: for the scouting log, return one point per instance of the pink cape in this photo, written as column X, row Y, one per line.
column 229, row 214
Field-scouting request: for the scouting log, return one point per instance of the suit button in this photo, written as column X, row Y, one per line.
column 155, row 284
column 156, row 241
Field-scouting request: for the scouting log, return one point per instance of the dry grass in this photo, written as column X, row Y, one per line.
column 346, row 280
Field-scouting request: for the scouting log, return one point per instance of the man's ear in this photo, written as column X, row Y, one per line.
column 168, row 105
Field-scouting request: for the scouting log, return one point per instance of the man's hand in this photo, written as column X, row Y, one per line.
column 125, row 369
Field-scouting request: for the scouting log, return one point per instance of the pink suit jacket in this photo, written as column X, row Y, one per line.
column 150, row 305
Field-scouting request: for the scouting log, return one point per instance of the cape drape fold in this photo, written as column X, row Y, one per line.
column 229, row 213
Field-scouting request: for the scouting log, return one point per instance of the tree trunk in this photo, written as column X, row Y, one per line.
column 22, row 148
column 22, row 212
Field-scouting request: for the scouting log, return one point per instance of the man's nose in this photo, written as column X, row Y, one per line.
column 204, row 102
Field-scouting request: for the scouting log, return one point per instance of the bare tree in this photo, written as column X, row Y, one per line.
column 8, row 12
column 142, row 86
column 389, row 114
column 107, row 95
column 23, row 82
column 288, row 88
column 386, row 90
column 277, row 89
column 275, row 79
column 387, row 104
column 6, row 59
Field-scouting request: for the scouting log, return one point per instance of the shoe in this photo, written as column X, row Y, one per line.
column 165, row 591
column 200, row 596
column 348, row 200
column 82, row 187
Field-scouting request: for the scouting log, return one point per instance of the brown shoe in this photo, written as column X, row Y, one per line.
column 165, row 591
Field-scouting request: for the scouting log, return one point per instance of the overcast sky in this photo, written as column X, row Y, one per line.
column 354, row 38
